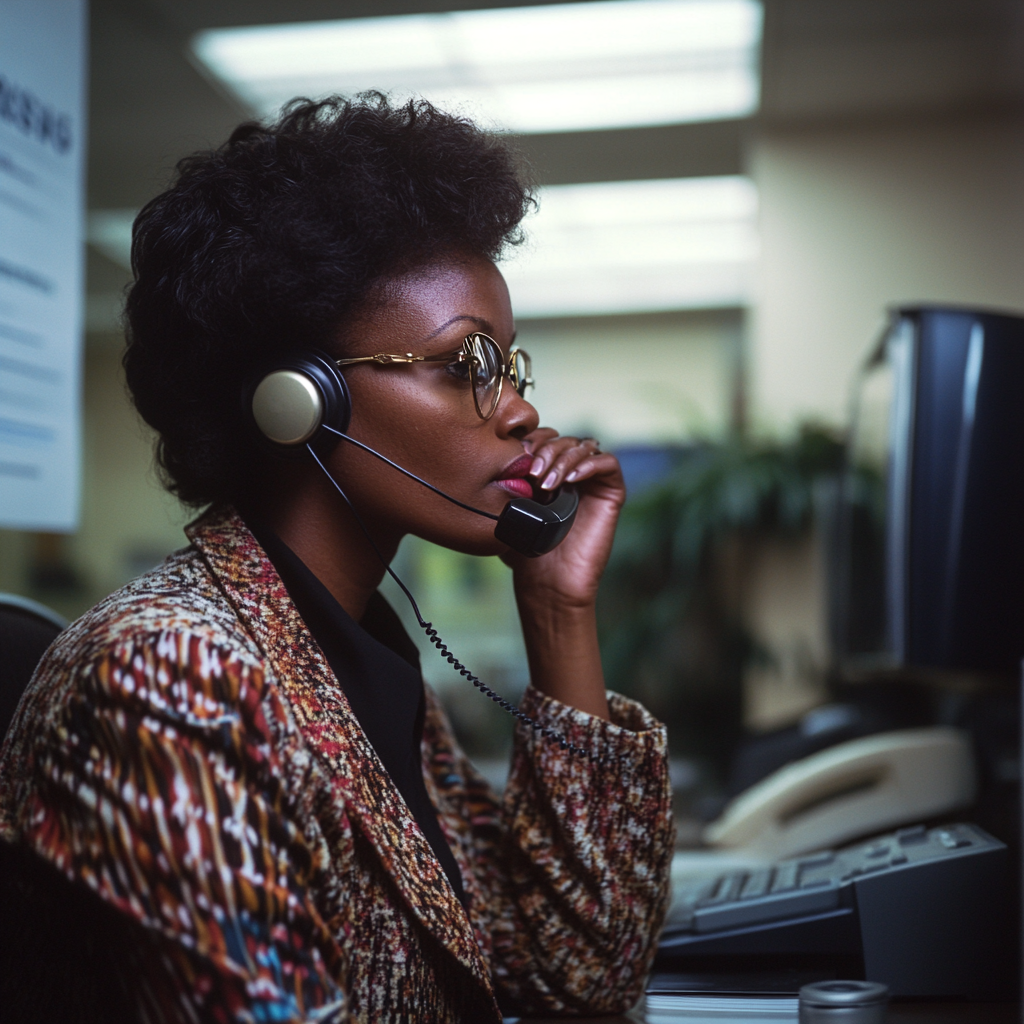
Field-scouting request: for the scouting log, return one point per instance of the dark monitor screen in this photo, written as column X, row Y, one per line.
column 929, row 561
column 874, row 504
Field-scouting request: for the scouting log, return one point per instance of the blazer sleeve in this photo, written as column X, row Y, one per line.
column 153, row 782
column 576, row 863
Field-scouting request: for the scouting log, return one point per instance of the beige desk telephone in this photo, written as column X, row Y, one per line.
column 853, row 789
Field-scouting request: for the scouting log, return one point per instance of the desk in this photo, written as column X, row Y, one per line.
column 898, row 1013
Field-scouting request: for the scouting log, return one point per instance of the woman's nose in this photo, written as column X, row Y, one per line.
column 515, row 416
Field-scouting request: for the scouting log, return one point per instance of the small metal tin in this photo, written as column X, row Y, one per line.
column 843, row 1002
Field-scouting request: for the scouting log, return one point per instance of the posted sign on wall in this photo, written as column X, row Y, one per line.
column 42, row 140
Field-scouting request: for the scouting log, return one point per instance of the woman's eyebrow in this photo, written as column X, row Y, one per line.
column 485, row 325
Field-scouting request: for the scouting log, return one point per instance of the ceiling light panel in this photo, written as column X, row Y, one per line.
column 637, row 246
column 547, row 68
column 610, row 247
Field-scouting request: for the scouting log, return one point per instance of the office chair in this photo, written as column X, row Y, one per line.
column 27, row 628
column 64, row 954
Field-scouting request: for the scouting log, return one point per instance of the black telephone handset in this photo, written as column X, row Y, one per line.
column 533, row 528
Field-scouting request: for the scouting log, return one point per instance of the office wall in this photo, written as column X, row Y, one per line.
column 636, row 379
column 128, row 523
column 857, row 217
column 784, row 605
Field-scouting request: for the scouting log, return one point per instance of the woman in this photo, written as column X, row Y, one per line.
column 236, row 752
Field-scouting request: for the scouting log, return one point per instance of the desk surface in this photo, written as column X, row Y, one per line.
column 898, row 1013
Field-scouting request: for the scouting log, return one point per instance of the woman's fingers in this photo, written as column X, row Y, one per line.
column 593, row 465
column 570, row 574
column 561, row 458
column 546, row 451
column 537, row 438
column 569, row 462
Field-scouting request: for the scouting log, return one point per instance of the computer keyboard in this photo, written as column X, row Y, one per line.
column 922, row 910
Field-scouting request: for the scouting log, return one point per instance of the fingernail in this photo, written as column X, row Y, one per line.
column 572, row 476
column 536, row 467
column 549, row 481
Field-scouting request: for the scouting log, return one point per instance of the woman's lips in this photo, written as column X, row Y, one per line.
column 513, row 477
column 519, row 487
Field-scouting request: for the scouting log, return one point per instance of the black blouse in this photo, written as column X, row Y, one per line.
column 377, row 665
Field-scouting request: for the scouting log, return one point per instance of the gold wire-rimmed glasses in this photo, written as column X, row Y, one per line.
column 486, row 368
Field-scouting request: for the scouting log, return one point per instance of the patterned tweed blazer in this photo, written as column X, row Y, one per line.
column 185, row 752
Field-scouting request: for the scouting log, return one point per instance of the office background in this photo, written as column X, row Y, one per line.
column 887, row 157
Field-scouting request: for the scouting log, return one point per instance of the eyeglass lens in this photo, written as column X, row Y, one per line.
column 487, row 369
column 488, row 366
column 522, row 372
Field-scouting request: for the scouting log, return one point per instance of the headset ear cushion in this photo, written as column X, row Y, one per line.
column 294, row 397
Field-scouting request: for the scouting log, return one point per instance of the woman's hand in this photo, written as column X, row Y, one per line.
column 556, row 593
column 569, row 576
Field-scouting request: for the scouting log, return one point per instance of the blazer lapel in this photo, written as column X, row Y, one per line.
column 321, row 710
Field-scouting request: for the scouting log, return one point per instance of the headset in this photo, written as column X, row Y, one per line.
column 302, row 400
column 304, row 397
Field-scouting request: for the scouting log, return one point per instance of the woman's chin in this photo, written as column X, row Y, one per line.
column 483, row 547
column 476, row 540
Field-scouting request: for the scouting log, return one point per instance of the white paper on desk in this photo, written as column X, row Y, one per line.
column 719, row 1009
column 42, row 145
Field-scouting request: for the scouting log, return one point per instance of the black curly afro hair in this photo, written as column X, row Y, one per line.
column 272, row 241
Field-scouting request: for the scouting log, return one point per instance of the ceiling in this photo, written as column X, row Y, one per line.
column 823, row 60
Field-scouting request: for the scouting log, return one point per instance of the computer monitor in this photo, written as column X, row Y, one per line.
column 928, row 564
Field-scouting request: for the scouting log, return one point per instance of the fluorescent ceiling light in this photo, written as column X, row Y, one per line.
column 636, row 246
column 612, row 247
column 547, row 68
